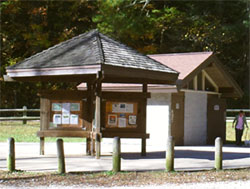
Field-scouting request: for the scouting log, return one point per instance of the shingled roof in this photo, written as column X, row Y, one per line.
column 188, row 65
column 89, row 50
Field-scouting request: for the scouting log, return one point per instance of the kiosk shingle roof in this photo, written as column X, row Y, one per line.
column 92, row 48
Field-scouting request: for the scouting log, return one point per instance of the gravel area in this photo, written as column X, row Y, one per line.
column 208, row 185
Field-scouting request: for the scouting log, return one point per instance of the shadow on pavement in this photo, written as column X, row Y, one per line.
column 193, row 154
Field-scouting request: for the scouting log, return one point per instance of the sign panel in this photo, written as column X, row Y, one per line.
column 74, row 106
column 66, row 108
column 121, row 114
column 112, row 119
column 56, row 107
column 57, row 119
column 74, row 119
column 65, row 118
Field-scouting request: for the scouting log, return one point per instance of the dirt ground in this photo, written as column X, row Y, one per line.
column 109, row 179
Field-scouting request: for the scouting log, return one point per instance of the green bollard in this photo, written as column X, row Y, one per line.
column 116, row 155
column 170, row 154
column 60, row 155
column 218, row 154
column 11, row 160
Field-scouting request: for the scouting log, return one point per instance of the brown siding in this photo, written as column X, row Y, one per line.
column 216, row 123
column 177, row 117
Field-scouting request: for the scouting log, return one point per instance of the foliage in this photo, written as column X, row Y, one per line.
column 148, row 26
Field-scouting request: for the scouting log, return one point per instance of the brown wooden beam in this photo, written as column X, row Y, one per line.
column 125, row 135
column 63, row 133
column 226, row 90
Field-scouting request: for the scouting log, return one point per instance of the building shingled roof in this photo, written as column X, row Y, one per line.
column 185, row 63
column 91, row 48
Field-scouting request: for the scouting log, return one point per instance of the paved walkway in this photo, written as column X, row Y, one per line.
column 186, row 157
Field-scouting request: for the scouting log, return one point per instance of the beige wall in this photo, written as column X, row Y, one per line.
column 195, row 118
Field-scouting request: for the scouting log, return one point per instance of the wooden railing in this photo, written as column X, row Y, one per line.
column 235, row 111
column 24, row 116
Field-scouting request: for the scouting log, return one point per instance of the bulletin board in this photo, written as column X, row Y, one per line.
column 121, row 114
column 65, row 113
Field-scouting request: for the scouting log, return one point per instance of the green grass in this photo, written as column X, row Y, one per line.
column 26, row 133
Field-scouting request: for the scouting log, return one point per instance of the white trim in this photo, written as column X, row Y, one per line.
column 211, row 81
column 195, row 83
column 198, row 91
column 136, row 89
column 203, row 81
column 77, row 70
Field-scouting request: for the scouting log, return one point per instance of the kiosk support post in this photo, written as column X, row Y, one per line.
column 98, row 127
column 90, row 98
column 98, row 101
column 143, row 140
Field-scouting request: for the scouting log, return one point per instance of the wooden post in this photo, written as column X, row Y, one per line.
column 98, row 126
column 88, row 146
column 143, row 140
column 41, row 145
column 92, row 146
column 116, row 155
column 170, row 154
column 218, row 154
column 11, row 155
column 98, row 101
column 90, row 88
column 98, row 146
column 24, row 114
column 60, row 156
column 143, row 146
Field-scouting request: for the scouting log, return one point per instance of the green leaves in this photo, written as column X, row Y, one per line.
column 148, row 26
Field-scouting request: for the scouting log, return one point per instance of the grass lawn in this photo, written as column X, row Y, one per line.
column 230, row 133
column 26, row 133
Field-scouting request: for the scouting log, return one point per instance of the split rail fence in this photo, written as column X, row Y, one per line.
column 26, row 118
column 24, row 114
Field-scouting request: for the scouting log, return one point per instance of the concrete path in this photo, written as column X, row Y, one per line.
column 186, row 158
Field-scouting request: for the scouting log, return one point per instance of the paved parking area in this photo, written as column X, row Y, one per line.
column 186, row 157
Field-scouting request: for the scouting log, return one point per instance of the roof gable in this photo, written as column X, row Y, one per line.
column 185, row 63
column 190, row 64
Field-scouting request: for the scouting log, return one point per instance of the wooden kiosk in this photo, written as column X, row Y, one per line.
column 92, row 58
column 66, row 114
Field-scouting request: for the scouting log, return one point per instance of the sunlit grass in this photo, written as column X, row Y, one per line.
column 230, row 133
column 26, row 133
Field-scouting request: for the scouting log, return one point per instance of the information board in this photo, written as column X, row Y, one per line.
column 66, row 113
column 121, row 114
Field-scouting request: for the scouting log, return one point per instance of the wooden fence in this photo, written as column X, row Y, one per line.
column 235, row 112
column 24, row 116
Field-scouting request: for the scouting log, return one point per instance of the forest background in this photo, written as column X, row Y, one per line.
column 171, row 26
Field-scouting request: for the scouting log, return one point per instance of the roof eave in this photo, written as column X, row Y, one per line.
column 238, row 93
column 134, row 75
column 59, row 71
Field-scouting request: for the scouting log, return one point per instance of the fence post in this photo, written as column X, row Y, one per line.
column 42, row 141
column 11, row 155
column 97, row 145
column 170, row 154
column 218, row 154
column 116, row 154
column 60, row 155
column 24, row 114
